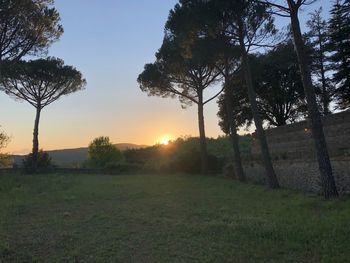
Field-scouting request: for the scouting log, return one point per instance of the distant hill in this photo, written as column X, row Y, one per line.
column 74, row 157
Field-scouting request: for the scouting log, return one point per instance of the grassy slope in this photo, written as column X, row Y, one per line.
column 166, row 219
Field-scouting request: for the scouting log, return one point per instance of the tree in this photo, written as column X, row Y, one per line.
column 291, row 10
column 184, row 73
column 252, row 25
column 195, row 16
column 4, row 140
column 27, row 27
column 247, row 25
column 318, row 37
column 103, row 154
column 239, row 106
column 277, row 82
column 339, row 45
column 278, row 85
column 43, row 161
column 231, row 102
column 40, row 83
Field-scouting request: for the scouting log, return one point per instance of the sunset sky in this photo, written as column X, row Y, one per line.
column 109, row 41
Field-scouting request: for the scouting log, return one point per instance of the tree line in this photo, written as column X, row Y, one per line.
column 219, row 43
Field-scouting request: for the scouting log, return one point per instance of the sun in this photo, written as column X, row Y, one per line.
column 164, row 140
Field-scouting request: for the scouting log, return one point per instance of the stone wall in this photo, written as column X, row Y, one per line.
column 294, row 157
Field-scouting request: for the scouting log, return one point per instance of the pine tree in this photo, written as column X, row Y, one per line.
column 291, row 9
column 318, row 38
column 339, row 44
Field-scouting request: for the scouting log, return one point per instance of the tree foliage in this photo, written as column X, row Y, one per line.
column 183, row 155
column 317, row 39
column 240, row 107
column 4, row 139
column 278, row 85
column 27, row 27
column 290, row 9
column 183, row 68
column 103, row 154
column 4, row 158
column 339, row 44
column 43, row 161
column 248, row 25
column 279, row 89
column 40, row 83
column 180, row 73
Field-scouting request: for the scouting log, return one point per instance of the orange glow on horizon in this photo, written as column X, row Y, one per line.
column 164, row 140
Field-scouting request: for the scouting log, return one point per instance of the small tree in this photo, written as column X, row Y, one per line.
column 43, row 161
column 4, row 158
column 27, row 27
column 4, row 139
column 318, row 38
column 40, row 83
column 103, row 154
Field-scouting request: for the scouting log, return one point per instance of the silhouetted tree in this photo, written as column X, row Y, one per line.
column 248, row 25
column 239, row 106
column 231, row 102
column 277, row 81
column 291, row 9
column 245, row 24
column 317, row 38
column 40, row 83
column 4, row 140
column 184, row 73
column 42, row 161
column 194, row 16
column 103, row 154
column 27, row 27
column 278, row 85
column 339, row 45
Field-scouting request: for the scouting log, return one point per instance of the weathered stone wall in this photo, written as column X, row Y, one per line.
column 294, row 157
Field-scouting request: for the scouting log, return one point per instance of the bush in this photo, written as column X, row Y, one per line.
column 180, row 156
column 183, row 155
column 44, row 162
column 103, row 154
column 5, row 159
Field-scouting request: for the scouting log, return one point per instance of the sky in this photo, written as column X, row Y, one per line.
column 110, row 41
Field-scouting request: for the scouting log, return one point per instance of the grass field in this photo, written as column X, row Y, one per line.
column 166, row 219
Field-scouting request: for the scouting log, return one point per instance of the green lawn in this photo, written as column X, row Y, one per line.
column 166, row 219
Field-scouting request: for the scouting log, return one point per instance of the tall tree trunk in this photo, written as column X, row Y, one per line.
column 35, row 152
column 327, row 179
column 325, row 100
column 233, row 132
column 325, row 94
column 270, row 172
column 202, row 138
